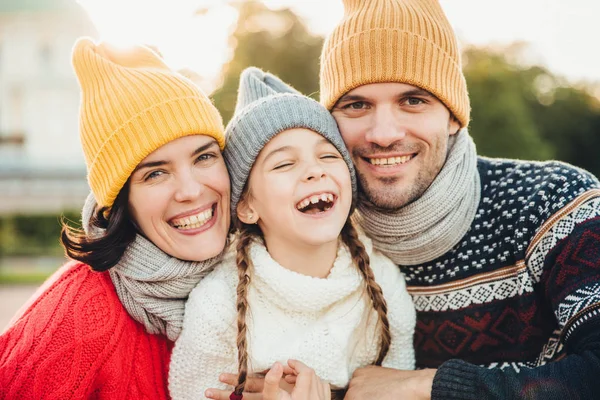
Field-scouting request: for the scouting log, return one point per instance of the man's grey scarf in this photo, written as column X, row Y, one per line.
column 152, row 285
column 434, row 223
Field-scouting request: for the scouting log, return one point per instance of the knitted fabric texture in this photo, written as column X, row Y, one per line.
column 152, row 285
column 431, row 225
column 520, row 290
column 329, row 323
column 406, row 41
column 132, row 103
column 265, row 107
column 75, row 340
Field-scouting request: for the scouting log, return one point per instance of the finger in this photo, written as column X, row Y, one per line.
column 298, row 366
column 229, row 379
column 306, row 376
column 291, row 379
column 271, row 389
column 325, row 391
column 254, row 384
column 219, row 394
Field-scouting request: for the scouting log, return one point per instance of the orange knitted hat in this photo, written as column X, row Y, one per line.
column 406, row 41
column 132, row 103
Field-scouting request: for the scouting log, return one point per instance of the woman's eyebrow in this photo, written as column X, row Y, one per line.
column 158, row 163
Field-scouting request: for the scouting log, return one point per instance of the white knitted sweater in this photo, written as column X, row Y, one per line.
column 329, row 324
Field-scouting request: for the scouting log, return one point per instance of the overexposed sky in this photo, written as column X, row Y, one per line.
column 563, row 34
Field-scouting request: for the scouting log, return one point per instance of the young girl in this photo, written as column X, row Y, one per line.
column 302, row 283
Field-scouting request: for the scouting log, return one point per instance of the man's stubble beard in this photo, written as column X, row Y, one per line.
column 386, row 194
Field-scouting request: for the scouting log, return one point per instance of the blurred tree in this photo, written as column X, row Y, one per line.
column 275, row 41
column 570, row 120
column 526, row 112
column 502, row 124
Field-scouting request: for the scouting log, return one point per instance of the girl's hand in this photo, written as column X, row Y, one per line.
column 252, row 391
column 308, row 386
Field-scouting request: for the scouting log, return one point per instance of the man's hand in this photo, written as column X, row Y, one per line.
column 386, row 383
column 308, row 386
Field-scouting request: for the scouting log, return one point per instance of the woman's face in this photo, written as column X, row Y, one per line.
column 179, row 198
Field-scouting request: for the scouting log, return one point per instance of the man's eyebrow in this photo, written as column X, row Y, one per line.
column 350, row 97
column 158, row 163
column 411, row 92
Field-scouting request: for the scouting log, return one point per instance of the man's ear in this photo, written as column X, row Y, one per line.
column 246, row 213
column 453, row 125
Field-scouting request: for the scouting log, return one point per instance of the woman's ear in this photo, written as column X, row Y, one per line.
column 246, row 213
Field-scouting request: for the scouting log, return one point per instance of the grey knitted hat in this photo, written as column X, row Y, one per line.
column 265, row 107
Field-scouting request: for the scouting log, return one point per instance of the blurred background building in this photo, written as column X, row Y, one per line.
column 41, row 164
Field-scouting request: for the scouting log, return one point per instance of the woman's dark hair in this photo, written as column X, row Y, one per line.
column 103, row 252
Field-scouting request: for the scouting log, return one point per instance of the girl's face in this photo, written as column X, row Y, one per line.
column 179, row 198
column 300, row 190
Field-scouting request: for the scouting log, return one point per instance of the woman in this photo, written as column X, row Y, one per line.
column 103, row 325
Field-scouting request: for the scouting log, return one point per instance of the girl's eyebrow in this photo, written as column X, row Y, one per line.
column 158, row 163
column 277, row 150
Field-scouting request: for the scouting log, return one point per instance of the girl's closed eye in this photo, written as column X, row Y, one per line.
column 331, row 156
column 283, row 165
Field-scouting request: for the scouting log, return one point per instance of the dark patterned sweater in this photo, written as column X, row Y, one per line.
column 517, row 300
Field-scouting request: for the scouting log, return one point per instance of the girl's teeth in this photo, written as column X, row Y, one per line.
column 328, row 197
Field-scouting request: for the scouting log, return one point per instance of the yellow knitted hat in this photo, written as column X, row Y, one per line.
column 132, row 103
column 406, row 41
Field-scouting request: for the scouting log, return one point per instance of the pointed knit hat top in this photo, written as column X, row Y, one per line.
column 265, row 107
column 132, row 103
column 405, row 41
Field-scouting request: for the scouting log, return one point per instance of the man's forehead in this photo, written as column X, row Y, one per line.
column 384, row 88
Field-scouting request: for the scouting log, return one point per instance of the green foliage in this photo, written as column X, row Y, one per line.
column 527, row 112
column 502, row 121
column 25, row 277
column 32, row 235
column 275, row 41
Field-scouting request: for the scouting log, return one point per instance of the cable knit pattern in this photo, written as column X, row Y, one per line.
column 326, row 323
column 76, row 341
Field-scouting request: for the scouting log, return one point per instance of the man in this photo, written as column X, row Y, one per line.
column 502, row 257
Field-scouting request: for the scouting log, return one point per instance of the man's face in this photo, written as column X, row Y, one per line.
column 397, row 135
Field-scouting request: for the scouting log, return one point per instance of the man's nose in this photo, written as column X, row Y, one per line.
column 388, row 126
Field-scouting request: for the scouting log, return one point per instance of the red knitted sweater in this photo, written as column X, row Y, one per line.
column 75, row 340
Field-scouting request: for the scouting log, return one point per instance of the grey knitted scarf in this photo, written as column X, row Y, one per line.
column 433, row 224
column 152, row 285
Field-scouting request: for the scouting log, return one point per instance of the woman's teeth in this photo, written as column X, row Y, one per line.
column 193, row 221
column 391, row 161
